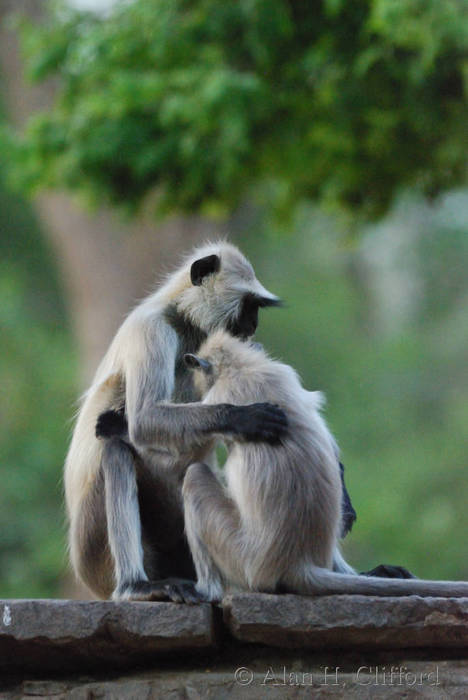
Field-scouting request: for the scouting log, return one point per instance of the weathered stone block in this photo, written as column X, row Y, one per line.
column 42, row 634
column 347, row 621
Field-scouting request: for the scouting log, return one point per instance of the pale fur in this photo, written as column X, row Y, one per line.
column 277, row 521
column 138, row 370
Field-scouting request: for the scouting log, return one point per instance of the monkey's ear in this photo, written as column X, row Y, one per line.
column 194, row 362
column 203, row 267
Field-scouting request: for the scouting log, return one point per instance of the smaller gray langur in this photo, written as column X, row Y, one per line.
column 275, row 525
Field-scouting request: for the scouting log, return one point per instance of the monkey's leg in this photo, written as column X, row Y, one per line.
column 124, row 532
column 89, row 545
column 213, row 531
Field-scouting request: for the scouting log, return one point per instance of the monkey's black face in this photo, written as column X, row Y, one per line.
column 245, row 325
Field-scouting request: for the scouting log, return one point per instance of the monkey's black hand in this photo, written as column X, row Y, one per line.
column 389, row 571
column 259, row 422
column 111, row 423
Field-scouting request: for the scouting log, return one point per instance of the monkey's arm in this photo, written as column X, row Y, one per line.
column 188, row 424
column 149, row 376
column 262, row 422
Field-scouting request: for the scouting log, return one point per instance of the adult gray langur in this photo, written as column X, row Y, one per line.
column 123, row 493
column 276, row 524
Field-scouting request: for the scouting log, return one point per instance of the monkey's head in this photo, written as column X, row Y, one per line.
column 221, row 291
column 227, row 361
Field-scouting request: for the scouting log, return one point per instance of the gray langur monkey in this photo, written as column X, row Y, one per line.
column 123, row 486
column 275, row 526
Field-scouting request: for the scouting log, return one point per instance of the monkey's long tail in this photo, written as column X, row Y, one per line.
column 318, row 581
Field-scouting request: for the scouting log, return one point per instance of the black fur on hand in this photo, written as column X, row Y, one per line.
column 259, row 422
column 111, row 423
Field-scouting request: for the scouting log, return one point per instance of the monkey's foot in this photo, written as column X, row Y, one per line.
column 389, row 571
column 177, row 590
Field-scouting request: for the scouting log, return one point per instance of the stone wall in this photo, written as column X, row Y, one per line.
column 252, row 646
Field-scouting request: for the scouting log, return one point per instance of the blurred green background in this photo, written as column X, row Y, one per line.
column 328, row 140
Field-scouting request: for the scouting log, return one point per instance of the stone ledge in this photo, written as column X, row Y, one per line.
column 66, row 634
column 60, row 635
column 344, row 621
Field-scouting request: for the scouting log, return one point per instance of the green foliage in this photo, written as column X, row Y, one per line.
column 37, row 379
column 200, row 100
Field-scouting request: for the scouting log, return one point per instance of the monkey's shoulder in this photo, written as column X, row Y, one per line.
column 145, row 333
